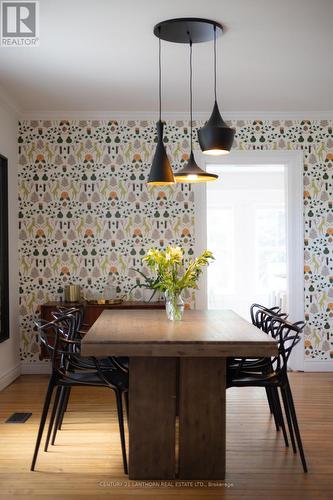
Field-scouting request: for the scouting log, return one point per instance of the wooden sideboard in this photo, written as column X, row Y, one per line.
column 92, row 312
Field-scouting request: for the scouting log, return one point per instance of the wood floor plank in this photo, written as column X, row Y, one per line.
column 86, row 461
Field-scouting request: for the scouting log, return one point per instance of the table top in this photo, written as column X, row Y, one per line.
column 200, row 333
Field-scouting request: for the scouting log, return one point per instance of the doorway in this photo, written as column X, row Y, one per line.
column 249, row 240
column 252, row 220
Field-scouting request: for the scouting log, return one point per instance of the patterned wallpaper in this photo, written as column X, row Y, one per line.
column 86, row 215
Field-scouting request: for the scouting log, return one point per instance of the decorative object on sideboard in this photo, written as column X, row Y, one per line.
column 72, row 293
column 102, row 301
column 110, row 292
column 171, row 276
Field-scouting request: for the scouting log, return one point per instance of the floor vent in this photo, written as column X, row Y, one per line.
column 18, row 418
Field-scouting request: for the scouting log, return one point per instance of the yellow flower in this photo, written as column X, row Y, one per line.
column 169, row 270
column 174, row 253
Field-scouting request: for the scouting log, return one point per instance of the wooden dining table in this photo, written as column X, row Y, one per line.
column 177, row 385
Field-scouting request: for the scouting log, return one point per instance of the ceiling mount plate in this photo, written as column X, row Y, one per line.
column 186, row 29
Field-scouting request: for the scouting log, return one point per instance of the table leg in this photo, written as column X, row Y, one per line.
column 202, row 418
column 152, row 414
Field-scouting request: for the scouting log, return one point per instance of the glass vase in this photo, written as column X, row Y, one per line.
column 174, row 306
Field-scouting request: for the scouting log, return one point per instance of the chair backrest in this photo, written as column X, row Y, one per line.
column 65, row 352
column 70, row 321
column 258, row 313
column 56, row 337
column 77, row 310
column 261, row 316
column 288, row 335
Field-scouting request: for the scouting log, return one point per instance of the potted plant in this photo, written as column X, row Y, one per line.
column 172, row 277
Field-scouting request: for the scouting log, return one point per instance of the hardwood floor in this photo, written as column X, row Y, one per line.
column 86, row 461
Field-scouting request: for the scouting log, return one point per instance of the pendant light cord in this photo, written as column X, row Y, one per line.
column 215, row 63
column 191, row 92
column 159, row 78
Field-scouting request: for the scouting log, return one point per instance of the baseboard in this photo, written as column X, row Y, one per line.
column 318, row 366
column 37, row 367
column 9, row 376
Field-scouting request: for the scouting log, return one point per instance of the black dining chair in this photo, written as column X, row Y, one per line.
column 70, row 322
column 75, row 330
column 272, row 373
column 69, row 370
column 261, row 318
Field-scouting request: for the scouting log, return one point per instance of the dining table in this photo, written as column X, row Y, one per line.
column 177, row 385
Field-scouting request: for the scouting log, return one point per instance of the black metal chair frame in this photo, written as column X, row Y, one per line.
column 260, row 316
column 68, row 370
column 73, row 331
column 272, row 374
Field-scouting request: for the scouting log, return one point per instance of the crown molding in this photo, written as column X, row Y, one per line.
column 8, row 102
column 173, row 115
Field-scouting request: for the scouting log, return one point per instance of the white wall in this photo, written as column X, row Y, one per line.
column 9, row 349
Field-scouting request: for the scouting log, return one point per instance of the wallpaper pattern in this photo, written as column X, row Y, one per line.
column 86, row 215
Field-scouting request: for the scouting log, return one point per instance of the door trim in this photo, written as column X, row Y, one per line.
column 293, row 161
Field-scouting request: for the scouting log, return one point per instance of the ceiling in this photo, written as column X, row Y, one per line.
column 101, row 55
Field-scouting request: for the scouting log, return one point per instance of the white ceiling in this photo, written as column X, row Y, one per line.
column 101, row 55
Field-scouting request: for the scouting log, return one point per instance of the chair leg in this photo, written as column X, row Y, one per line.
column 296, row 428
column 288, row 417
column 269, row 399
column 43, row 420
column 273, row 411
column 279, row 414
column 127, row 406
column 121, row 428
column 64, row 409
column 53, row 414
column 58, row 417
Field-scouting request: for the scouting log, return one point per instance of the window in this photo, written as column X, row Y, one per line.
column 270, row 251
column 221, row 228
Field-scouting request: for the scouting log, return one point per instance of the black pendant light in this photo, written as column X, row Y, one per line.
column 160, row 172
column 216, row 138
column 191, row 172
